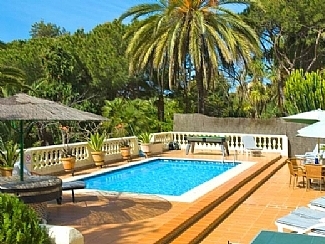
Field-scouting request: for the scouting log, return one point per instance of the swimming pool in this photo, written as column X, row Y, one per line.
column 174, row 179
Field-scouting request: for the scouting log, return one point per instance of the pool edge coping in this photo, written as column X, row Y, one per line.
column 187, row 197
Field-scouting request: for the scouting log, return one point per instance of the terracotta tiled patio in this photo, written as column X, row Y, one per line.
column 119, row 219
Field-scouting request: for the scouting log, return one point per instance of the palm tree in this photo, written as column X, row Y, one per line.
column 176, row 34
column 11, row 78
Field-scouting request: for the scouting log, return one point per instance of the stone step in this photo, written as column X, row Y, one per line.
column 197, row 232
column 179, row 226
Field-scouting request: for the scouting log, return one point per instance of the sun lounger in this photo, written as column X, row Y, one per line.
column 294, row 222
column 318, row 204
column 301, row 220
column 250, row 145
column 71, row 185
column 310, row 156
column 309, row 213
column 301, row 224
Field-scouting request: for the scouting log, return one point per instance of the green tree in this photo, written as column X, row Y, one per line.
column 304, row 91
column 138, row 115
column 257, row 98
column 42, row 29
column 174, row 34
column 291, row 34
column 26, row 56
column 11, row 80
column 103, row 52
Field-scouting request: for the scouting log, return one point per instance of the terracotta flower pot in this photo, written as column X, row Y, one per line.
column 6, row 171
column 146, row 147
column 68, row 163
column 126, row 152
column 98, row 158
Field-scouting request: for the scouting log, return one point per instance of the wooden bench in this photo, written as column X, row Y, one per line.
column 71, row 185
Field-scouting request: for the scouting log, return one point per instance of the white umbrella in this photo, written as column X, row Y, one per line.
column 310, row 117
column 316, row 130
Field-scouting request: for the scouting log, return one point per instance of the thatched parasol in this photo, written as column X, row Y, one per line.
column 23, row 107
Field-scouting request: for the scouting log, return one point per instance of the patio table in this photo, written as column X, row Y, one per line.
column 314, row 180
column 222, row 141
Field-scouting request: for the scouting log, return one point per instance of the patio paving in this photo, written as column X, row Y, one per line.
column 271, row 201
column 119, row 219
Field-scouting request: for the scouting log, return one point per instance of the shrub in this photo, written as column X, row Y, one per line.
column 145, row 137
column 96, row 141
column 8, row 153
column 19, row 224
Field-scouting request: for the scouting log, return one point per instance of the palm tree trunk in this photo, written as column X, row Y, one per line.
column 280, row 91
column 201, row 93
column 161, row 107
column 187, row 78
column 161, row 101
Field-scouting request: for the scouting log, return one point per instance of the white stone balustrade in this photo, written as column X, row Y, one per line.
column 163, row 137
column 268, row 143
column 46, row 160
column 64, row 234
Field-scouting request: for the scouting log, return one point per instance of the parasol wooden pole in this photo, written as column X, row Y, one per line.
column 21, row 150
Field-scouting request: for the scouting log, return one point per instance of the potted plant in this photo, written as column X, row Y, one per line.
column 124, row 144
column 8, row 156
column 68, row 159
column 125, row 149
column 145, row 140
column 96, row 142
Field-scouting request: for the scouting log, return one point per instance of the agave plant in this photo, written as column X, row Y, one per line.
column 9, row 153
column 145, row 137
column 96, row 141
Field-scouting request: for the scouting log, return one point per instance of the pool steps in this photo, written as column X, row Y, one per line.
column 205, row 214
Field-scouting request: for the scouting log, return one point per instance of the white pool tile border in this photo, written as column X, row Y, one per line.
column 189, row 196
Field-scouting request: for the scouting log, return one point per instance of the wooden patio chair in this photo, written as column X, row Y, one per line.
column 296, row 171
column 314, row 172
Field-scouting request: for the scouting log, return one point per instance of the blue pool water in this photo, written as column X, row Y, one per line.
column 159, row 176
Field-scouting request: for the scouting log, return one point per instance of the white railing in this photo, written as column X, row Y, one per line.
column 46, row 160
column 268, row 143
column 163, row 137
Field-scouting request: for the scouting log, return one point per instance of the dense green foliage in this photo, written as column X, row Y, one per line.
column 19, row 224
column 201, row 36
column 305, row 91
column 42, row 29
column 291, row 34
column 186, row 56
column 138, row 115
